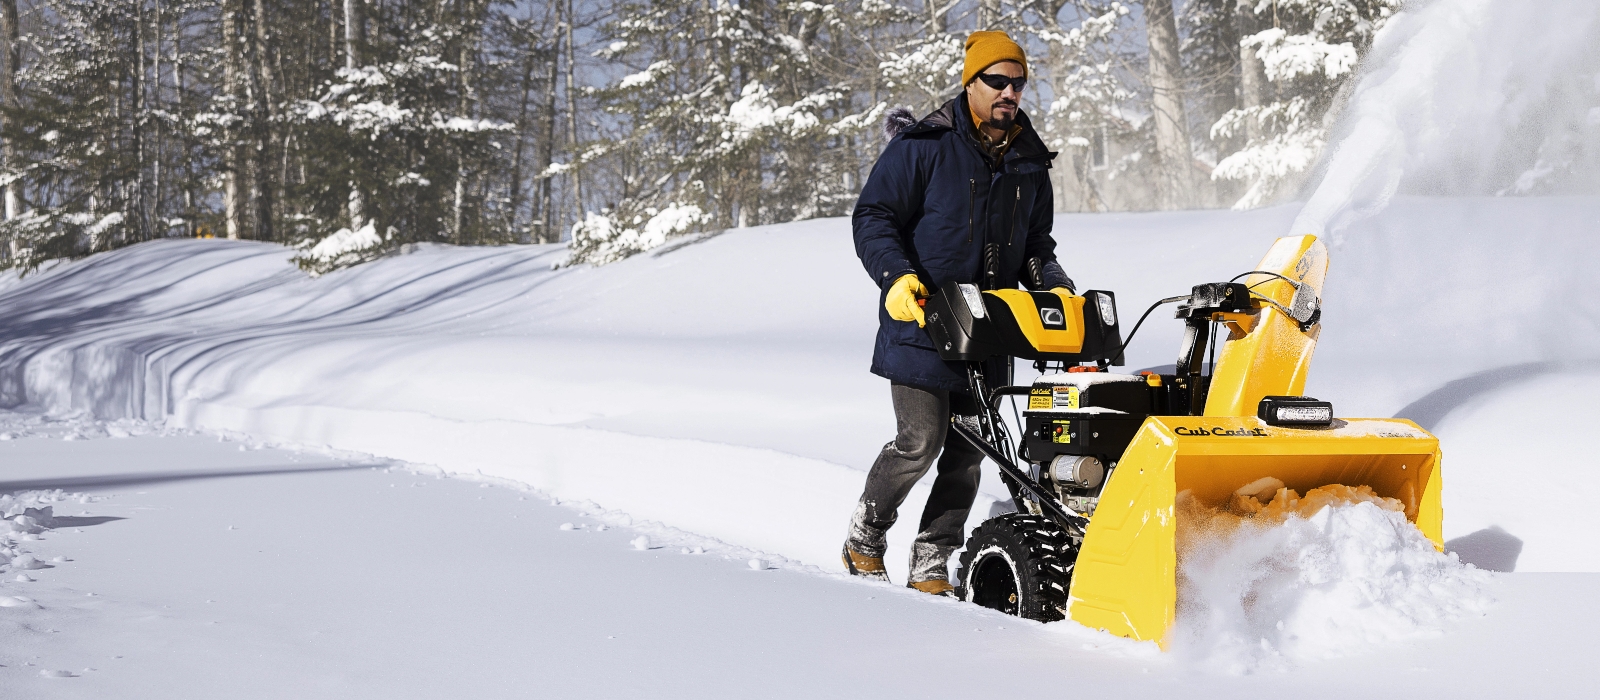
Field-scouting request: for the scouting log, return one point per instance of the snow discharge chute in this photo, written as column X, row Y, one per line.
column 1104, row 458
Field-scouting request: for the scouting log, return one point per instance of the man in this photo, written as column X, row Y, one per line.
column 963, row 195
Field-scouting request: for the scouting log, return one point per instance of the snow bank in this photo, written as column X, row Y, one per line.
column 1338, row 572
column 686, row 387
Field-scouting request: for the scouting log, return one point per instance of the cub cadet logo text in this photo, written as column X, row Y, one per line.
column 1237, row 432
column 1052, row 317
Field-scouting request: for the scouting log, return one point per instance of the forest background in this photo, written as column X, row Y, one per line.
column 349, row 128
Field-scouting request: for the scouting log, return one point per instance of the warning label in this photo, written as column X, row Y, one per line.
column 1061, row 431
column 1066, row 397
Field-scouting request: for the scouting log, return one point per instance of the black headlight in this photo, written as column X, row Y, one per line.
column 1294, row 410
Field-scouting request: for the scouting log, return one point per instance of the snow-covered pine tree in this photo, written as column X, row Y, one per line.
column 406, row 129
column 83, row 138
column 1088, row 91
column 351, row 127
column 136, row 119
column 921, row 63
column 732, row 114
column 1307, row 52
column 1211, row 61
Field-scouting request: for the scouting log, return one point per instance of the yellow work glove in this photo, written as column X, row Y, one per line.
column 902, row 300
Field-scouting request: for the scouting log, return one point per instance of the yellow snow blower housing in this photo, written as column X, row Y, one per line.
column 1104, row 456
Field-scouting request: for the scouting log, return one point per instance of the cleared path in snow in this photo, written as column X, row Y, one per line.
column 259, row 572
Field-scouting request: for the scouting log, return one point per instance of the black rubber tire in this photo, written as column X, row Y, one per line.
column 1019, row 564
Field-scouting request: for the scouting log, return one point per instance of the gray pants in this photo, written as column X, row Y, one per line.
column 923, row 420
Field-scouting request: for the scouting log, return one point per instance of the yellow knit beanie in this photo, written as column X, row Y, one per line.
column 985, row 49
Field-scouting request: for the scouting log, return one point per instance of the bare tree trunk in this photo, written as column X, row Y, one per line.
column 282, row 133
column 138, row 222
column 9, row 101
column 333, row 32
column 989, row 14
column 550, row 227
column 466, row 105
column 233, row 85
column 524, row 87
column 1172, row 127
column 352, row 59
column 1252, row 74
column 155, row 98
column 188, row 163
column 572, row 120
column 938, row 15
column 262, row 187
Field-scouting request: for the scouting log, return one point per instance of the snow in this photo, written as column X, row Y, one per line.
column 698, row 391
column 651, row 463
column 643, row 78
column 684, row 400
column 1336, row 573
column 268, row 572
column 345, row 244
column 1457, row 97
column 673, row 220
column 1084, row 380
column 757, row 110
column 1287, row 57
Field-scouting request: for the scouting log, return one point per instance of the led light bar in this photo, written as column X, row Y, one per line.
column 1294, row 411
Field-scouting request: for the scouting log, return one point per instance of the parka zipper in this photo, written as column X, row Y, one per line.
column 1014, row 204
column 972, row 203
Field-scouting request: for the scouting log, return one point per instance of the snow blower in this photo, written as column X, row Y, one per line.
column 1103, row 456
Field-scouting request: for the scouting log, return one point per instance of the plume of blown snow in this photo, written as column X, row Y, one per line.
column 1337, row 573
column 1467, row 97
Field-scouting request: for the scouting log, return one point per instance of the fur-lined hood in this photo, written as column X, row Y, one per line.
column 897, row 120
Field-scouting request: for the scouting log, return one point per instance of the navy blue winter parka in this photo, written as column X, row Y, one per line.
column 931, row 205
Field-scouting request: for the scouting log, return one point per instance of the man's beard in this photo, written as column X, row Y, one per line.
column 1002, row 122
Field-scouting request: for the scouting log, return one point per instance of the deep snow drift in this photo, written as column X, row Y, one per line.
column 684, row 392
column 684, row 387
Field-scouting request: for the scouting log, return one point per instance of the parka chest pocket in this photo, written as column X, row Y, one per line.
column 972, row 206
column 1021, row 194
column 952, row 225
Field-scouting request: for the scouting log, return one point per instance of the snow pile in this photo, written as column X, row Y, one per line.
column 16, row 425
column 1335, row 573
column 26, row 517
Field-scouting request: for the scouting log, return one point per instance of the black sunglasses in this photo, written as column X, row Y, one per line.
column 999, row 82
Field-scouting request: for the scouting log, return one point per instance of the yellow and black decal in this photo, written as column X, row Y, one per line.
column 1046, row 321
column 1067, row 397
column 1061, row 432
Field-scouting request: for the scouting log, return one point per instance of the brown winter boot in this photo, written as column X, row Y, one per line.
column 862, row 565
column 937, row 586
